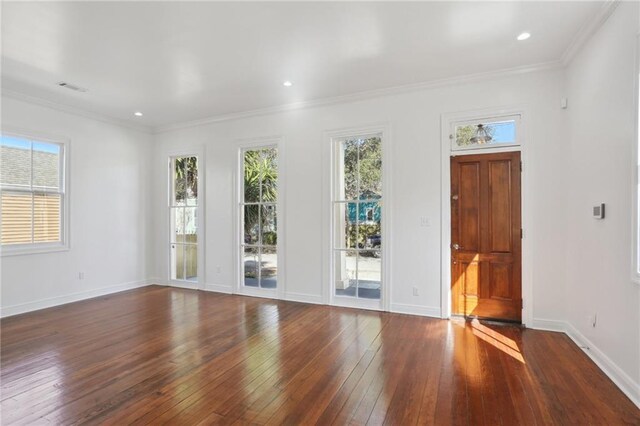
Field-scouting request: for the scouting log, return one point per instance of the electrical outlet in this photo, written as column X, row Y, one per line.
column 218, row 269
column 415, row 291
column 424, row 221
column 81, row 275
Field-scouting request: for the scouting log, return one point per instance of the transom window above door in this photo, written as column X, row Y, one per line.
column 494, row 132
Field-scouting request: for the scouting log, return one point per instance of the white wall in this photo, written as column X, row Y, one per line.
column 601, row 88
column 414, row 119
column 109, row 208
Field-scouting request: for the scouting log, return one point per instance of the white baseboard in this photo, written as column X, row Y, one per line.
column 22, row 308
column 218, row 288
column 548, row 325
column 626, row 384
column 303, row 298
column 610, row 368
column 425, row 311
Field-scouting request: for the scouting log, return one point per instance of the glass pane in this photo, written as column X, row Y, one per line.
column 191, row 180
column 177, row 261
column 191, row 260
column 251, row 224
column 269, row 226
column 269, row 268
column 16, row 218
column 345, row 225
column 46, row 165
column 369, row 274
column 347, row 170
column 370, row 169
column 252, row 176
column 503, row 132
column 346, row 279
column 369, row 217
column 269, row 174
column 177, row 222
column 179, row 182
column 15, row 156
column 191, row 225
column 46, row 217
column 251, row 260
column 490, row 133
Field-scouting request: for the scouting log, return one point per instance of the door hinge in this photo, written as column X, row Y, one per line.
column 521, row 165
column 521, row 233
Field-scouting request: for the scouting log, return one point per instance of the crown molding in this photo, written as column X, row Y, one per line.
column 583, row 35
column 588, row 30
column 369, row 94
column 9, row 93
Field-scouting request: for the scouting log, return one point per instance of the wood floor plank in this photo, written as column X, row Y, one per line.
column 161, row 355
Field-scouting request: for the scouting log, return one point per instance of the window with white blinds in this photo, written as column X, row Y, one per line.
column 32, row 174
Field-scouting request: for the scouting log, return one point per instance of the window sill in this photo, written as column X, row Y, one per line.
column 32, row 249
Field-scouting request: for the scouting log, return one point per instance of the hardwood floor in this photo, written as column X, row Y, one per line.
column 162, row 355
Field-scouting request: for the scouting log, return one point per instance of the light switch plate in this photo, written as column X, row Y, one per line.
column 598, row 211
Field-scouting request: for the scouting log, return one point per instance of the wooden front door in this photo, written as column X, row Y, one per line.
column 486, row 259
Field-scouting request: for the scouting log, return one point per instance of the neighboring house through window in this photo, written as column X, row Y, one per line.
column 32, row 177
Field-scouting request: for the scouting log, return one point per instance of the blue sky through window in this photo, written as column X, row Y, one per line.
column 15, row 142
column 504, row 132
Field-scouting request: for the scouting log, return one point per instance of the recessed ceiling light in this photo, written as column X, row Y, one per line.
column 137, row 114
column 523, row 36
column 287, row 84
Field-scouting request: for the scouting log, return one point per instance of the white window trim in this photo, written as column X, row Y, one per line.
column 198, row 152
column 63, row 245
column 239, row 287
column 328, row 289
column 447, row 120
column 635, row 195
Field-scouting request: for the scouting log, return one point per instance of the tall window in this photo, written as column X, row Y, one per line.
column 184, row 218
column 259, row 239
column 357, row 201
column 32, row 175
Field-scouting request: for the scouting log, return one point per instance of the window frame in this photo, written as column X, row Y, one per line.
column 198, row 151
column 334, row 138
column 635, row 158
column 244, row 145
column 64, row 170
column 174, row 207
column 486, row 120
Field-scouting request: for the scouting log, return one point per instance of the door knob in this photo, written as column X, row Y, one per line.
column 456, row 247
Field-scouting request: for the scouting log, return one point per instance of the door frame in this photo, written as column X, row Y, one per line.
column 523, row 133
column 199, row 152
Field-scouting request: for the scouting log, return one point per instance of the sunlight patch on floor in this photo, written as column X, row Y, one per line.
column 497, row 340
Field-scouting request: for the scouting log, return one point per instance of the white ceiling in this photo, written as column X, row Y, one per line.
column 178, row 62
